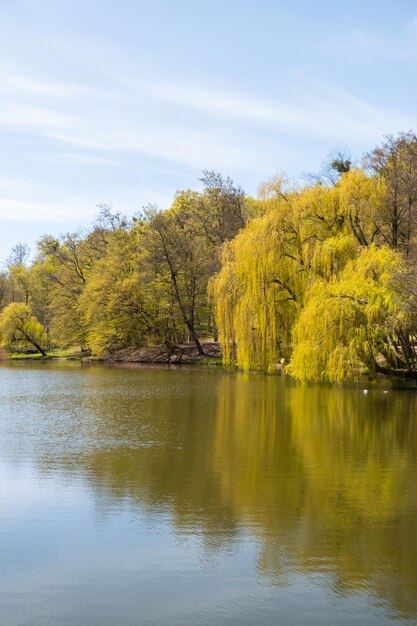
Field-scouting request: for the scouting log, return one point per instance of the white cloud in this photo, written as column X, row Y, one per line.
column 128, row 123
column 193, row 125
column 31, row 117
column 76, row 158
column 27, row 200
column 233, row 105
column 17, row 210
column 18, row 85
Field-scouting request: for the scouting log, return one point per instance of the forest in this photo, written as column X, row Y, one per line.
column 318, row 279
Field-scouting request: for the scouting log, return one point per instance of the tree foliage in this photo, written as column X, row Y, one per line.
column 318, row 278
column 19, row 328
column 347, row 320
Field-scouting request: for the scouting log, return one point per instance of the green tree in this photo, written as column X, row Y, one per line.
column 19, row 328
column 121, row 304
column 180, row 263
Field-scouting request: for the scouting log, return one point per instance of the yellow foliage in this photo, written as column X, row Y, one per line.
column 19, row 328
column 306, row 279
column 345, row 320
column 266, row 270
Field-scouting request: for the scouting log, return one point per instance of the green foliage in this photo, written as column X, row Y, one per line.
column 266, row 270
column 19, row 328
column 124, row 303
column 313, row 281
column 320, row 278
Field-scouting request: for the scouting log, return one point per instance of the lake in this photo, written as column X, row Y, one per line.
column 157, row 496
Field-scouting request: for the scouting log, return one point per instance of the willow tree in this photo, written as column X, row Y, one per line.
column 349, row 321
column 19, row 328
column 270, row 270
column 362, row 199
column 256, row 296
column 266, row 270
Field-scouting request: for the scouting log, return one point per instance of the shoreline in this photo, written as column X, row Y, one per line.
column 187, row 354
column 180, row 354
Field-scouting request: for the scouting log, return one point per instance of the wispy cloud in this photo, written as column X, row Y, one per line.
column 13, row 84
column 23, row 200
column 130, row 125
column 29, row 117
column 97, row 123
column 114, row 113
column 81, row 159
column 226, row 103
column 21, row 210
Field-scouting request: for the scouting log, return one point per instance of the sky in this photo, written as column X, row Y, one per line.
column 126, row 102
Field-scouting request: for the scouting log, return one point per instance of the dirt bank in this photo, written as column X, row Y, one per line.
column 182, row 353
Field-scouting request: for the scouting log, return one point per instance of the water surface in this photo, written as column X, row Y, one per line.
column 136, row 496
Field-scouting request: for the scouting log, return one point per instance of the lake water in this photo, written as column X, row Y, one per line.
column 136, row 496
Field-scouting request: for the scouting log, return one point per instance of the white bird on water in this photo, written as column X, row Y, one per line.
column 365, row 391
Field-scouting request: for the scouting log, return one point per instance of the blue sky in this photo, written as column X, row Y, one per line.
column 125, row 102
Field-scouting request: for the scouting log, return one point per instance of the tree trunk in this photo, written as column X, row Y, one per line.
column 185, row 317
column 34, row 344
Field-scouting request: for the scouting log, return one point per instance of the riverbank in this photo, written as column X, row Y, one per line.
column 184, row 353
column 187, row 354
column 179, row 354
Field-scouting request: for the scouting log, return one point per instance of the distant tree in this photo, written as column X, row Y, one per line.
column 340, row 162
column 4, row 288
column 337, row 163
column 180, row 260
column 19, row 255
column 395, row 161
column 19, row 273
column 66, row 263
column 220, row 210
column 20, row 328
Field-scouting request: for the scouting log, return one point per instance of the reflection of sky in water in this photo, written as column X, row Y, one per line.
column 152, row 496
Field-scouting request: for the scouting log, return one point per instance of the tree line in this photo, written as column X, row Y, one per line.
column 320, row 277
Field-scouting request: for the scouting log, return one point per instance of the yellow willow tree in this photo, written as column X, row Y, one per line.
column 20, row 329
column 304, row 237
column 349, row 321
column 362, row 199
column 266, row 269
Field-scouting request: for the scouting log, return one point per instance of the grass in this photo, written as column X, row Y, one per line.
column 54, row 353
column 204, row 361
column 18, row 356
